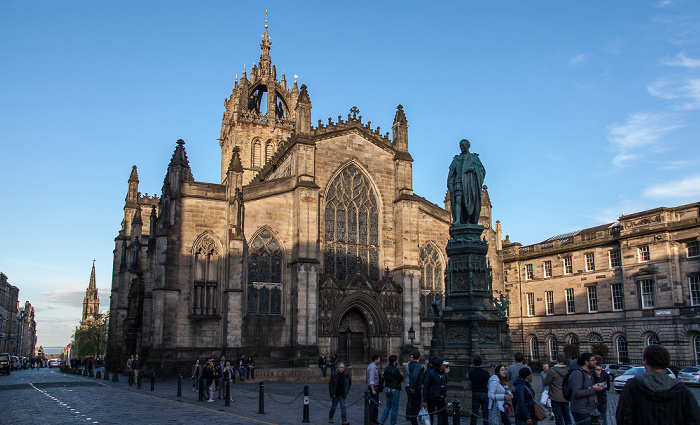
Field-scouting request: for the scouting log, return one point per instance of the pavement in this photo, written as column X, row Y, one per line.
column 50, row 396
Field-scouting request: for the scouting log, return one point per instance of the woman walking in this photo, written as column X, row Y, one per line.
column 227, row 377
column 196, row 371
column 499, row 397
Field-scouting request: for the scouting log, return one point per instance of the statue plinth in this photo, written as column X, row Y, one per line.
column 470, row 324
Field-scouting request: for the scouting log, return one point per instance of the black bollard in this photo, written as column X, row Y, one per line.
column 305, row 419
column 106, row 377
column 98, row 375
column 455, row 412
column 153, row 380
column 201, row 389
column 138, row 381
column 115, row 377
column 85, row 372
column 91, row 374
column 261, row 399
column 179, row 385
column 228, row 393
column 368, row 400
column 595, row 417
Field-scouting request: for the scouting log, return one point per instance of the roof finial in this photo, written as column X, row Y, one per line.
column 265, row 18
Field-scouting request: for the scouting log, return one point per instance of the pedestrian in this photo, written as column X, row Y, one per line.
column 524, row 398
column 220, row 365
column 136, row 367
column 227, row 374
column 583, row 389
column 240, row 366
column 196, row 372
column 555, row 382
column 544, row 399
column 392, row 390
column 129, row 370
column 322, row 364
column 408, row 387
column 479, row 378
column 499, row 396
column 210, row 374
column 339, row 387
column 654, row 397
column 250, row 368
column 601, row 397
column 415, row 376
column 435, row 391
column 373, row 387
column 334, row 362
column 514, row 369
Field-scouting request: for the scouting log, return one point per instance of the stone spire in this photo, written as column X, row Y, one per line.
column 265, row 46
column 235, row 164
column 178, row 169
column 400, row 130
column 132, row 196
column 91, row 302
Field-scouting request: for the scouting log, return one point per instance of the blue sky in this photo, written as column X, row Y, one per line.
column 580, row 110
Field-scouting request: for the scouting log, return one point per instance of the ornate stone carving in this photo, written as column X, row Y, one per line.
column 488, row 333
column 457, row 334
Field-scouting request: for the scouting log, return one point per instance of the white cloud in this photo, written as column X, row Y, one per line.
column 685, row 188
column 663, row 3
column 72, row 296
column 688, row 90
column 641, row 133
column 578, row 60
column 683, row 61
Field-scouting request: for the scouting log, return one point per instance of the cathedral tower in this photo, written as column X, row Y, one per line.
column 91, row 302
column 260, row 115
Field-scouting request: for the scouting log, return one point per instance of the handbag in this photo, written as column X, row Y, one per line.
column 540, row 412
column 423, row 417
column 545, row 397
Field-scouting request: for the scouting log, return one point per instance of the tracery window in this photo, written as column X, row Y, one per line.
column 653, row 339
column 264, row 275
column 352, row 226
column 431, row 279
column 269, row 150
column 257, row 154
column 206, row 277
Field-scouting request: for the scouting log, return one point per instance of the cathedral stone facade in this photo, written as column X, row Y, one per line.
column 312, row 231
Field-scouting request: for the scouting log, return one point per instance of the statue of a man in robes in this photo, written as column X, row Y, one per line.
column 464, row 182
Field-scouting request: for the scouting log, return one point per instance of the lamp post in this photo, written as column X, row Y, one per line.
column 348, row 338
column 411, row 335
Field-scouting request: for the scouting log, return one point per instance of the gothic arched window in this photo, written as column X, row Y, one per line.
column 431, row 278
column 206, row 276
column 257, row 154
column 264, row 275
column 352, row 226
column 269, row 150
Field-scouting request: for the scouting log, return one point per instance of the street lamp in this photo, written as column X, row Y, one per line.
column 348, row 338
column 411, row 335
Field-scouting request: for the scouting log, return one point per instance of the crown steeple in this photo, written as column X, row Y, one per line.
column 91, row 302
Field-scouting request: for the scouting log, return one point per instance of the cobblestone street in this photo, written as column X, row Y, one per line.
column 47, row 396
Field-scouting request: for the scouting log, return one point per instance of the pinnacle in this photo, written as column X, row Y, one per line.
column 134, row 175
column 235, row 164
column 400, row 117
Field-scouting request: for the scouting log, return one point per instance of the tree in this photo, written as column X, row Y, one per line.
column 91, row 337
column 600, row 349
column 571, row 351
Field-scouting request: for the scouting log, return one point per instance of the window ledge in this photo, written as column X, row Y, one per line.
column 205, row 316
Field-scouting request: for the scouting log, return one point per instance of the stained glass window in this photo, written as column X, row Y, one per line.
column 352, row 226
column 431, row 281
column 206, row 277
column 264, row 275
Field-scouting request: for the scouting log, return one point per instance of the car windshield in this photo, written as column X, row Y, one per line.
column 635, row 371
column 690, row 369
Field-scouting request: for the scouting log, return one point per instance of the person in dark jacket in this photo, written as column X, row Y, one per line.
column 601, row 377
column 479, row 378
column 524, row 398
column 655, row 398
column 415, row 385
column 339, row 387
column 583, row 389
column 435, row 391
column 555, row 381
column 392, row 390
column 323, row 364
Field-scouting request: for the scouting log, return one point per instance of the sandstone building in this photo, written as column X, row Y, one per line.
column 626, row 284
column 311, row 232
column 9, row 306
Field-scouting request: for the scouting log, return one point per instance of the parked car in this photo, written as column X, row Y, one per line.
column 690, row 375
column 621, row 380
column 54, row 363
column 5, row 363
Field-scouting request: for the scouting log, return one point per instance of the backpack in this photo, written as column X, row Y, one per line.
column 567, row 389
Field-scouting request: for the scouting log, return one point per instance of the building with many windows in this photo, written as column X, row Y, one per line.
column 9, row 306
column 625, row 284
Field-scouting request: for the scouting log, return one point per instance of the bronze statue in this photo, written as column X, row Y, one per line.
column 464, row 182
column 503, row 305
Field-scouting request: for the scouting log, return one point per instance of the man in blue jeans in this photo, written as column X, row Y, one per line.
column 480, row 391
column 392, row 389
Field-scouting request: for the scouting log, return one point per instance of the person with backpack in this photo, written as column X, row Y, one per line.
column 435, row 391
column 524, row 398
column 580, row 389
column 555, row 381
column 392, row 389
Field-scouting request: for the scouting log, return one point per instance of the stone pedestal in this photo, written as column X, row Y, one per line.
column 469, row 324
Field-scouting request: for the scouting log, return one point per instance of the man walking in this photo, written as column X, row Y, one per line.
column 372, row 385
column 408, row 387
column 554, row 380
column 583, row 394
column 435, row 391
column 392, row 389
column 479, row 378
column 339, row 387
column 655, row 398
column 415, row 374
column 136, row 367
column 220, row 369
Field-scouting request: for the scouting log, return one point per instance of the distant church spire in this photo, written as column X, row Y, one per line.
column 91, row 302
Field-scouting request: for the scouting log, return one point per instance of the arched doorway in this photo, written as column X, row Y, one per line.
column 353, row 350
